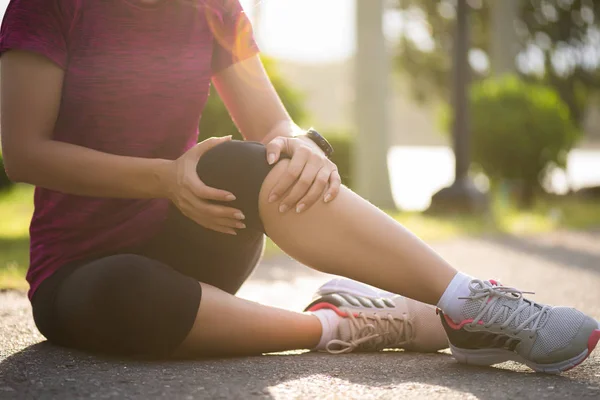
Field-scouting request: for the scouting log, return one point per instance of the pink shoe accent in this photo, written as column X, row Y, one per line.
column 321, row 306
column 456, row 326
column 594, row 339
column 592, row 342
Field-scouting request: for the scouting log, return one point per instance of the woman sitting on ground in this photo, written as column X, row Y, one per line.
column 141, row 237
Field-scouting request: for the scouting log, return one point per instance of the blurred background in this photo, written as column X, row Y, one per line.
column 458, row 117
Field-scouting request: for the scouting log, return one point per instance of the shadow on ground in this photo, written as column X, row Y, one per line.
column 554, row 251
column 46, row 371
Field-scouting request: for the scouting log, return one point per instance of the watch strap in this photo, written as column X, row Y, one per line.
column 320, row 141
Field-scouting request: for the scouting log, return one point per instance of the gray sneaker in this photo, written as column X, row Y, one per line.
column 500, row 325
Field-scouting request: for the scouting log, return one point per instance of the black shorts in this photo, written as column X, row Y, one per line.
column 144, row 300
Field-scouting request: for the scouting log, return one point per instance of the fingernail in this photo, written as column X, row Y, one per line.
column 230, row 197
column 300, row 208
column 234, row 233
column 271, row 158
column 240, row 226
column 239, row 216
column 327, row 197
column 272, row 198
column 283, row 208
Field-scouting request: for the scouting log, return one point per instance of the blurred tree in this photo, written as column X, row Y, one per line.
column 563, row 35
column 216, row 120
column 519, row 131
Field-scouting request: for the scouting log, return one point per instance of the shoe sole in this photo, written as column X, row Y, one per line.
column 487, row 357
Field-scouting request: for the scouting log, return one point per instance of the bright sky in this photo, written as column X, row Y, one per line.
column 306, row 30
column 301, row 30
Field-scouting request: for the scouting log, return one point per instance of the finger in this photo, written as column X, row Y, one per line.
column 209, row 210
column 301, row 186
column 219, row 211
column 335, row 183
column 214, row 226
column 193, row 182
column 316, row 190
column 191, row 211
column 274, row 149
column 208, row 144
column 292, row 173
column 222, row 229
column 229, row 223
column 199, row 189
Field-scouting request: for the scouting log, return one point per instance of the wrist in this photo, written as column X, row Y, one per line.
column 164, row 175
column 285, row 128
column 319, row 141
column 311, row 143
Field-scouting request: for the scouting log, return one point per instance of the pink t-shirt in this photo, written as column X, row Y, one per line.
column 136, row 80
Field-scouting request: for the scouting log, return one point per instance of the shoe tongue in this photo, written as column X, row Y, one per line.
column 344, row 330
column 344, row 333
column 472, row 307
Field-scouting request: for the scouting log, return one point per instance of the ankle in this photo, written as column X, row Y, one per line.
column 329, row 323
column 450, row 302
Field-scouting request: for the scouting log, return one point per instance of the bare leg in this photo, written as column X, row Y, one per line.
column 352, row 238
column 348, row 237
column 228, row 325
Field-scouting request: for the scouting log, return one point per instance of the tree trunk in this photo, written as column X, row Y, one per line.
column 527, row 194
column 372, row 80
column 504, row 41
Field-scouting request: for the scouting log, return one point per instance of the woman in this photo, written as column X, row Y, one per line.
column 100, row 107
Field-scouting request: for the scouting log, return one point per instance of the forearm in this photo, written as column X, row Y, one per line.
column 253, row 103
column 81, row 171
column 278, row 128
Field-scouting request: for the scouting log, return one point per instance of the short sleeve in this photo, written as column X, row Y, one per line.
column 234, row 36
column 40, row 26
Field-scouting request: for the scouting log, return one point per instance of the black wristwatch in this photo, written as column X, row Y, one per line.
column 320, row 141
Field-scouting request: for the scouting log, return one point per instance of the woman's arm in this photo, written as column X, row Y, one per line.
column 253, row 102
column 31, row 94
column 260, row 116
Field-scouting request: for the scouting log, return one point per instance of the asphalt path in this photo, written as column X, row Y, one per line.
column 562, row 268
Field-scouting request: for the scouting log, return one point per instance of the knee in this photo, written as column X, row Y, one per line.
column 240, row 168
column 234, row 165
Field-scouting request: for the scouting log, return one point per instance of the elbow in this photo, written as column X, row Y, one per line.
column 14, row 170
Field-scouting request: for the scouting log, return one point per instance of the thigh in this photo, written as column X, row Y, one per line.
column 220, row 260
column 124, row 304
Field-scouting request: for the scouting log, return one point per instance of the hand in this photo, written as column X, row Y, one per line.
column 309, row 175
column 192, row 197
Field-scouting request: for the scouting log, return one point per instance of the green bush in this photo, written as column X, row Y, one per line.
column 5, row 183
column 216, row 121
column 519, row 131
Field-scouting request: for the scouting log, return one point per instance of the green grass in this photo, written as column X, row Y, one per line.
column 548, row 215
column 16, row 209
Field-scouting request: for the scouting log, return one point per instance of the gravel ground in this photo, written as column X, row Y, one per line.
column 562, row 268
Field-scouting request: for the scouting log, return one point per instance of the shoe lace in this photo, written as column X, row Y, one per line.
column 373, row 333
column 490, row 295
